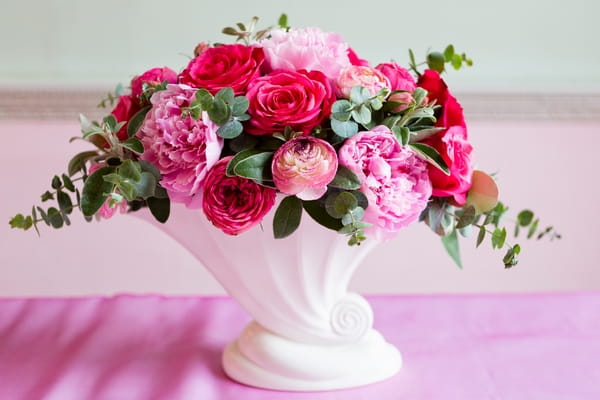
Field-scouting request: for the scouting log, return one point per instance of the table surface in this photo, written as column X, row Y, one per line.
column 463, row 347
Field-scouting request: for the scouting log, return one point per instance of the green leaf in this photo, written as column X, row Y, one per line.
column 77, row 163
column 283, row 21
column 204, row 98
column 481, row 235
column 320, row 215
column 149, row 167
column 449, row 53
column 111, row 122
column 345, row 179
column 230, row 130
column 457, row 61
column 419, row 95
column 136, row 121
column 340, row 110
column 226, row 95
column 130, row 170
column 134, row 144
column 243, row 142
column 339, row 204
column 467, row 217
column 423, row 134
column 220, row 112
column 354, row 216
column 402, row 134
column 18, row 221
column 145, row 186
column 498, row 238
column 431, row 155
column 435, row 61
column 160, row 208
column 56, row 183
column 525, row 217
column 255, row 167
column 47, row 196
column 450, row 243
column 344, row 129
column 64, row 202
column 68, row 183
column 55, row 218
column 533, row 228
column 362, row 114
column 239, row 106
column 95, row 191
column 34, row 220
column 43, row 215
column 359, row 95
column 287, row 217
column 511, row 259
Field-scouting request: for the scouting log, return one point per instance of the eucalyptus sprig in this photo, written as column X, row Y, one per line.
column 247, row 34
column 437, row 60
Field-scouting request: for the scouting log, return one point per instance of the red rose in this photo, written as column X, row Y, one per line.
column 123, row 111
column 452, row 143
column 154, row 76
column 230, row 65
column 298, row 99
column 234, row 204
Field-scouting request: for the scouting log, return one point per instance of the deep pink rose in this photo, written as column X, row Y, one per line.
column 456, row 150
column 123, row 111
column 452, row 143
column 357, row 75
column 309, row 49
column 393, row 177
column 152, row 77
column 234, row 204
column 229, row 65
column 183, row 149
column 355, row 59
column 304, row 166
column 399, row 77
column 299, row 99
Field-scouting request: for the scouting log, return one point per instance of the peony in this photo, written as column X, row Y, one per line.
column 234, row 204
column 393, row 177
column 123, row 111
column 304, row 166
column 309, row 49
column 229, row 65
column 300, row 100
column 399, row 77
column 452, row 143
column 152, row 77
column 183, row 149
column 358, row 75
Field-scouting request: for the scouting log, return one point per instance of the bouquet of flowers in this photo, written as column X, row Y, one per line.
column 292, row 119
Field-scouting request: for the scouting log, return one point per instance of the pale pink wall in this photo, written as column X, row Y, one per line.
column 549, row 166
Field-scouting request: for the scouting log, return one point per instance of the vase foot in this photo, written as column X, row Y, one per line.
column 263, row 359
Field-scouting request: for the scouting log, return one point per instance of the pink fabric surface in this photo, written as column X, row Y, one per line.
column 496, row 347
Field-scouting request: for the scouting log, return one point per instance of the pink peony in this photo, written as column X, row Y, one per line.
column 301, row 100
column 399, row 77
column 234, row 204
column 393, row 177
column 154, row 76
column 357, row 75
column 310, row 49
column 229, row 65
column 304, row 166
column 123, row 111
column 183, row 149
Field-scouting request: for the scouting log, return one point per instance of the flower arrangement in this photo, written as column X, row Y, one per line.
column 292, row 119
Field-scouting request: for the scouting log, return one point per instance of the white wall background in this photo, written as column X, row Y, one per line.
column 522, row 46
column 519, row 45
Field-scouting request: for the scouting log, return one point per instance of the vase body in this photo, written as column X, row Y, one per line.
column 309, row 333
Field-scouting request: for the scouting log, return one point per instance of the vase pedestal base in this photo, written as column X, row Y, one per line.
column 264, row 359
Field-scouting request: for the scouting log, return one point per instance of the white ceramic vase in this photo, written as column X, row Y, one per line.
column 309, row 333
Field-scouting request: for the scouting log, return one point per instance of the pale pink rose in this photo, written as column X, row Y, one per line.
column 234, row 204
column 110, row 206
column 404, row 99
column 309, row 48
column 183, row 149
column 400, row 78
column 304, row 166
column 360, row 75
column 393, row 177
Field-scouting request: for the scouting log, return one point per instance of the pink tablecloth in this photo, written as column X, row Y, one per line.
column 469, row 347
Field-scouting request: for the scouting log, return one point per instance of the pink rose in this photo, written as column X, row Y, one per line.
column 393, row 177
column 229, row 65
column 309, row 49
column 123, row 111
column 355, row 59
column 456, row 152
column 183, row 149
column 452, row 143
column 234, row 204
column 356, row 75
column 299, row 99
column 152, row 77
column 404, row 100
column 304, row 166
column 399, row 77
